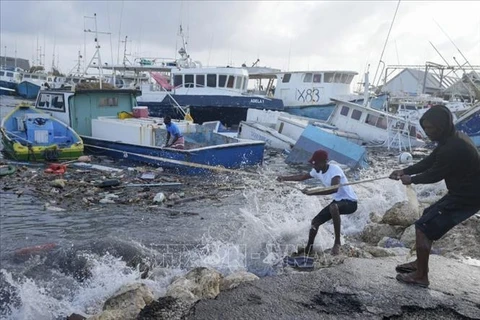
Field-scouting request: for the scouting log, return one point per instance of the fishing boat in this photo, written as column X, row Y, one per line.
column 28, row 89
column 28, row 134
column 111, row 123
column 9, row 79
column 469, row 123
column 210, row 93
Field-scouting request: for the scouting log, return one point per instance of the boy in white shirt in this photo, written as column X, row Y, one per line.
column 344, row 198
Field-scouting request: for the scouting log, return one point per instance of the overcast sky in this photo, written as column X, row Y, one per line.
column 318, row 35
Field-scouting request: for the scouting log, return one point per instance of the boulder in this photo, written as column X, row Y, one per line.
column 408, row 237
column 402, row 214
column 127, row 302
column 166, row 308
column 374, row 232
column 233, row 280
column 199, row 283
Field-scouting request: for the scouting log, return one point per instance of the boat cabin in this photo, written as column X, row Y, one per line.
column 313, row 87
column 374, row 126
column 207, row 81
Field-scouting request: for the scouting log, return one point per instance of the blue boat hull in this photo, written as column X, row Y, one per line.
column 28, row 90
column 232, row 156
column 471, row 126
column 339, row 149
column 316, row 111
column 229, row 110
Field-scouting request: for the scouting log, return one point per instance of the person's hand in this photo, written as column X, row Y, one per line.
column 406, row 179
column 396, row 175
column 280, row 179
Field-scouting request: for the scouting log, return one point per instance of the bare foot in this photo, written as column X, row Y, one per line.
column 413, row 279
column 335, row 249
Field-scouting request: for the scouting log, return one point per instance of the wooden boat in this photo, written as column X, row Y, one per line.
column 29, row 134
column 98, row 116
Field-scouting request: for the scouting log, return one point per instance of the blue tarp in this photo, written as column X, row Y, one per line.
column 339, row 149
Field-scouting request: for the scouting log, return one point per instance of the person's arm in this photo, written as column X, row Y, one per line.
column 299, row 177
column 441, row 167
column 168, row 139
column 335, row 182
column 422, row 165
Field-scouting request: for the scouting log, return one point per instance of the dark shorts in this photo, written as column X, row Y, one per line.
column 443, row 215
column 344, row 207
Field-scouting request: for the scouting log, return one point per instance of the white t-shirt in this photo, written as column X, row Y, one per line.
column 343, row 193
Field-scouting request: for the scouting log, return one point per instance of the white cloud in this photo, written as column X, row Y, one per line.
column 295, row 35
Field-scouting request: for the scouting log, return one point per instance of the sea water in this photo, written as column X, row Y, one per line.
column 98, row 252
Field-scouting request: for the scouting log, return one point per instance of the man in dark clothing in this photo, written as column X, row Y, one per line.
column 455, row 160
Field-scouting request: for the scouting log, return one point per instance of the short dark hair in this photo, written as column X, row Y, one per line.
column 167, row 119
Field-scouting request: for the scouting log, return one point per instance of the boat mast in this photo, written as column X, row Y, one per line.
column 96, row 55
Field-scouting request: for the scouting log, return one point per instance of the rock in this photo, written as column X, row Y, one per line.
column 159, row 197
column 129, row 300
column 111, row 315
column 356, row 289
column 387, row 242
column 375, row 218
column 233, row 280
column 401, row 214
column 199, row 283
column 58, row 183
column 75, row 316
column 409, row 236
column 165, row 308
column 374, row 232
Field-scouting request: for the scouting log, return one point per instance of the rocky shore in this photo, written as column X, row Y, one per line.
column 357, row 284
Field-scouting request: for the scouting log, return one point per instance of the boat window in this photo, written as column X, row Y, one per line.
column 221, row 80
column 2, row 73
column 328, row 77
column 34, row 77
column 245, row 82
column 212, row 80
column 307, row 78
column 338, row 78
column 286, row 77
column 238, row 84
column 44, row 101
column 177, row 80
column 382, row 122
column 76, row 80
column 57, row 102
column 350, row 78
column 108, row 102
column 9, row 74
column 231, row 79
column 26, row 76
column 371, row 119
column 345, row 78
column 356, row 114
column 200, row 80
column 189, row 81
column 68, row 79
column 344, row 111
column 317, row 78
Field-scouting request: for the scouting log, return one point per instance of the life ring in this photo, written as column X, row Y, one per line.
column 56, row 168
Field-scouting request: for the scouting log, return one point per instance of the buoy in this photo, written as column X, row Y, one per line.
column 405, row 157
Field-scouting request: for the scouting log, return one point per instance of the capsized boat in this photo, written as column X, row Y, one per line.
column 29, row 134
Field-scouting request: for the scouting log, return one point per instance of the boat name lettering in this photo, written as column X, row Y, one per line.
column 308, row 95
column 257, row 101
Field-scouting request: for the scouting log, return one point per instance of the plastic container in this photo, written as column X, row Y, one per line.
column 140, row 112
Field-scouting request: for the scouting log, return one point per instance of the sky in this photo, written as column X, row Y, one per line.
column 291, row 36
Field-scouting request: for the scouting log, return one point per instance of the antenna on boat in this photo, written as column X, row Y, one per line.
column 96, row 55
